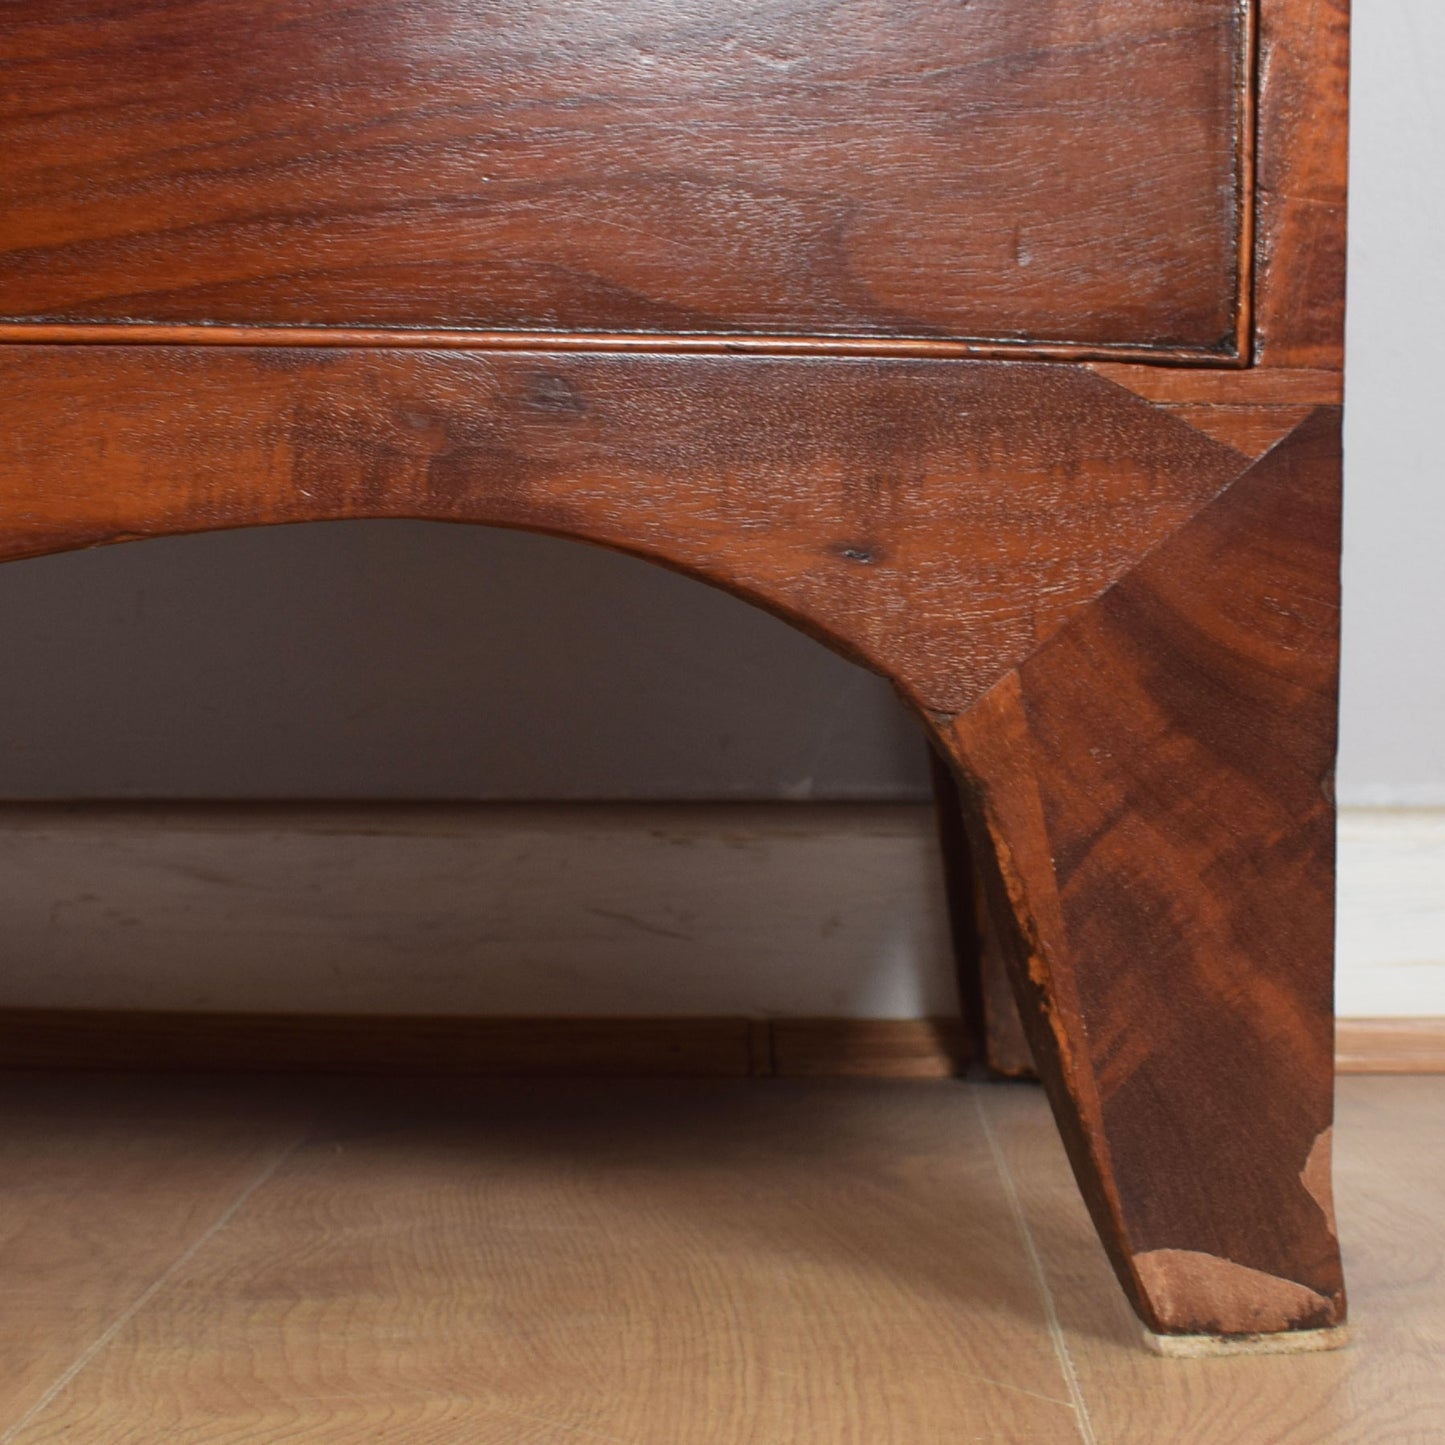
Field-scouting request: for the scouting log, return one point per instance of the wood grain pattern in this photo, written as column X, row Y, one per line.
column 997, row 1043
column 1259, row 386
column 812, row 168
column 1156, row 782
column 96, row 1206
column 495, row 1263
column 918, row 516
column 1390, row 1046
column 1250, row 412
column 1302, row 130
column 543, row 1264
column 1250, row 429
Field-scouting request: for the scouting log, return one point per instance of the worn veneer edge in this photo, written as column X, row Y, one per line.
column 1215, row 1347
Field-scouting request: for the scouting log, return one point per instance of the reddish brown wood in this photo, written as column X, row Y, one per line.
column 647, row 343
column 1007, row 1052
column 960, row 891
column 936, row 520
column 813, row 168
column 1110, row 590
column 1272, row 386
column 997, row 1043
column 1250, row 414
column 1302, row 162
column 1156, row 780
column 1248, row 429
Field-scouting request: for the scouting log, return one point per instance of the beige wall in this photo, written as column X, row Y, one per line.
column 1393, row 735
column 417, row 660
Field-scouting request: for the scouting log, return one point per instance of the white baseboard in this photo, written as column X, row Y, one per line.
column 1391, row 913
column 782, row 911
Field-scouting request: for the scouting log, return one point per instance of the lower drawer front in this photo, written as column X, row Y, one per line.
column 1027, row 171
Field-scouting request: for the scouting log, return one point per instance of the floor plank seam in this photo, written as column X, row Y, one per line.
column 1036, row 1267
column 73, row 1371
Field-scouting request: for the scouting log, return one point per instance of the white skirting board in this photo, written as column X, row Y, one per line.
column 774, row 910
column 1391, row 913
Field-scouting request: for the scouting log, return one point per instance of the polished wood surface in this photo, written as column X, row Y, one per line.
column 936, row 520
column 660, row 1264
column 997, row 1042
column 1302, row 140
column 1198, row 908
column 813, row 168
column 1109, row 589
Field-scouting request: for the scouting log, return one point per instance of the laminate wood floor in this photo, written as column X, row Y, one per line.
column 670, row 1262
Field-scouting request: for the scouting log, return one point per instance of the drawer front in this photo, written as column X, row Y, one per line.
column 1022, row 172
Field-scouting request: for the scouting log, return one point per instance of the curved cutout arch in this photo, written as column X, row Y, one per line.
column 932, row 521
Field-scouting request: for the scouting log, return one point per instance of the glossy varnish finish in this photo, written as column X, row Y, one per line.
column 862, row 168
column 1166, row 933
column 1109, row 589
column 918, row 515
column 1299, row 265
